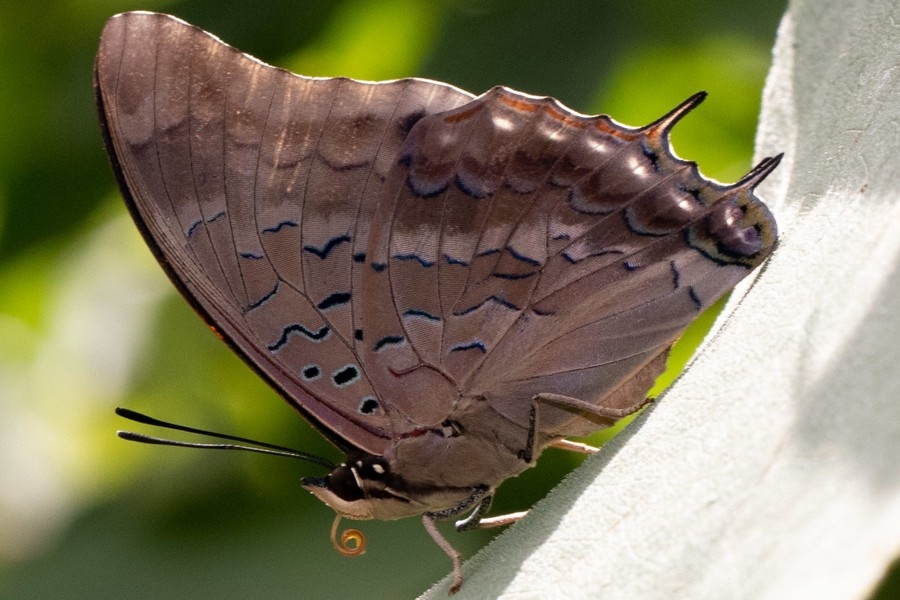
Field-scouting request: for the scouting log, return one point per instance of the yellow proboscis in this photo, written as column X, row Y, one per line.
column 352, row 542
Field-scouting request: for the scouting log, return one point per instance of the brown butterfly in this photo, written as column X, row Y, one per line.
column 444, row 285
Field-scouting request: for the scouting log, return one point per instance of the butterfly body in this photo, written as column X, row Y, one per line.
column 443, row 285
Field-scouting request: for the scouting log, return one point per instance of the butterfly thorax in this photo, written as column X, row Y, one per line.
column 430, row 469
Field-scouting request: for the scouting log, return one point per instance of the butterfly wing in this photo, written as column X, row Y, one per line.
column 255, row 187
column 528, row 249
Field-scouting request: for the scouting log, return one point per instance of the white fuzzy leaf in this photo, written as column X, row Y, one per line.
column 772, row 468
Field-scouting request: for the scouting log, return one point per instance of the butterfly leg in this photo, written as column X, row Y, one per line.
column 479, row 497
column 473, row 521
column 431, row 527
column 575, row 404
column 571, row 446
column 578, row 405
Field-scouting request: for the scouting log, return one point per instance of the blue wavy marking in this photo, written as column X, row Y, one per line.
column 415, row 257
column 575, row 261
column 543, row 313
column 585, row 211
column 251, row 255
column 415, row 312
column 406, row 161
column 493, row 298
column 474, row 194
column 328, row 247
column 298, row 329
column 262, row 300
column 676, row 276
column 280, row 226
column 193, row 228
column 388, row 340
column 525, row 259
column 695, row 298
column 455, row 261
column 514, row 275
column 488, row 252
column 651, row 155
column 630, row 266
column 332, row 300
column 474, row 345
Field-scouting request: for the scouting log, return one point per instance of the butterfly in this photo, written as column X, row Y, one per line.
column 444, row 285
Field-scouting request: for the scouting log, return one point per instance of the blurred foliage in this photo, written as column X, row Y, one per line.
column 88, row 321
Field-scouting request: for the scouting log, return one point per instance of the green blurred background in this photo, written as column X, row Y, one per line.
column 88, row 321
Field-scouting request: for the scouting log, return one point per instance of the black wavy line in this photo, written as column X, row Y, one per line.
column 286, row 333
column 328, row 247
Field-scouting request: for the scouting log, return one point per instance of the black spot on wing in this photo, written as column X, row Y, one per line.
column 310, row 372
column 345, row 375
column 369, row 405
column 328, row 247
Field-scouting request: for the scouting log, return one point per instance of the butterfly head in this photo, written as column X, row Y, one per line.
column 365, row 487
column 360, row 489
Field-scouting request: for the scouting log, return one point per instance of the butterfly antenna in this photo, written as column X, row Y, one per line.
column 259, row 447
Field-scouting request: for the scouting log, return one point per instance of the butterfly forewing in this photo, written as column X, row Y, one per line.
column 256, row 209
